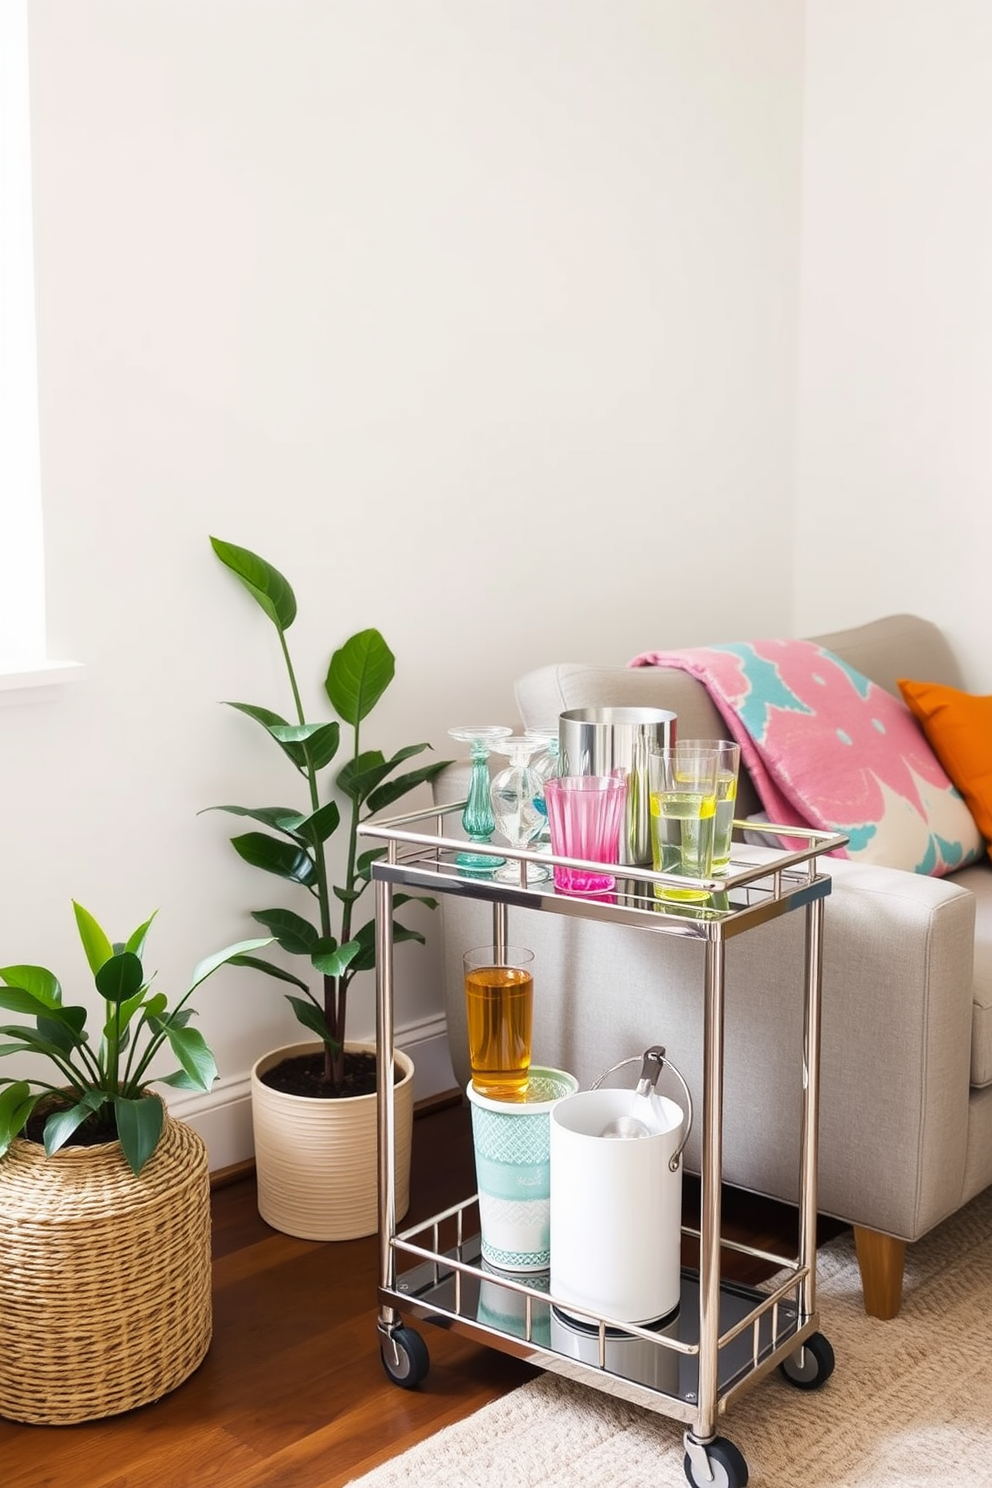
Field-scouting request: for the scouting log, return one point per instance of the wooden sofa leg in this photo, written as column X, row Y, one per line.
column 880, row 1260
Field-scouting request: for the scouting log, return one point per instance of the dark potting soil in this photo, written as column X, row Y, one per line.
column 92, row 1133
column 304, row 1075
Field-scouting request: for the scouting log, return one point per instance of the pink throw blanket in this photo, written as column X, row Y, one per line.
column 827, row 748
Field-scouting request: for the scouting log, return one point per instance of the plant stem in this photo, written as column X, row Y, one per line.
column 333, row 1064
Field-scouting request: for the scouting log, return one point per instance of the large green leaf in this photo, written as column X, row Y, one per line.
column 297, row 733
column 363, row 866
column 190, row 1048
column 272, row 723
column 61, row 1124
column 270, row 968
column 348, row 896
column 322, row 824
column 136, row 940
column 139, row 1126
column 29, row 1042
column 362, row 774
column 358, row 675
column 394, row 789
column 96, row 942
column 266, row 585
column 313, row 1019
column 333, row 960
column 323, row 745
column 276, row 857
column 19, row 1000
column 179, row 1018
column 58, row 1029
column 295, row 934
column 66, row 1032
column 279, row 818
column 178, row 1080
column 16, row 1105
column 38, row 980
column 229, row 954
column 120, row 978
column 320, row 741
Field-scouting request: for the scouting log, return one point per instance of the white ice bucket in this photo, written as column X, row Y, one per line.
column 616, row 1205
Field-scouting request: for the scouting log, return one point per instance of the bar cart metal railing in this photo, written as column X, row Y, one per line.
column 725, row 1335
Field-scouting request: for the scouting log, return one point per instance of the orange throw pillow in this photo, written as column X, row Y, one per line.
column 958, row 728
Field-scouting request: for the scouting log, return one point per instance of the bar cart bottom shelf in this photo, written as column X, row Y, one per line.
column 655, row 1367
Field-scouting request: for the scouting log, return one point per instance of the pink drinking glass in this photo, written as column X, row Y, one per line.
column 585, row 814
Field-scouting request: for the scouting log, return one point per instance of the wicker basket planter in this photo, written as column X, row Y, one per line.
column 105, row 1280
column 316, row 1160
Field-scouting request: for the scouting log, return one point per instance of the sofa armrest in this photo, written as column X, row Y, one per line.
column 897, row 1023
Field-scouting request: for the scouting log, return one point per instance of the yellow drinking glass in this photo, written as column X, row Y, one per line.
column 683, row 804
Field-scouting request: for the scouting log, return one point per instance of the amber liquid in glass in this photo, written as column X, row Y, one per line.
column 499, row 1001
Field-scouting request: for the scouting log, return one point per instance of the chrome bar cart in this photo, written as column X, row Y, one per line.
column 725, row 1335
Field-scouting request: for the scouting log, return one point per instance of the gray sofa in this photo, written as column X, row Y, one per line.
column 906, row 1091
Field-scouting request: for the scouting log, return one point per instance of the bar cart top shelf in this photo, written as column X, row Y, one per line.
column 762, row 881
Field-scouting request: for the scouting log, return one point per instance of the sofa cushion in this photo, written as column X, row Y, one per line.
column 958, row 727
column 896, row 646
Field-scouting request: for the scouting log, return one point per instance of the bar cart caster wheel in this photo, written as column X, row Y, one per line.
column 405, row 1358
column 817, row 1364
column 726, row 1465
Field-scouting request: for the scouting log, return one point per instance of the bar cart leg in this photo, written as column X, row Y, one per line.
column 813, row 1362
column 711, row 1460
column 385, row 1109
column 811, row 1106
column 499, row 925
column 404, row 1353
column 710, row 1196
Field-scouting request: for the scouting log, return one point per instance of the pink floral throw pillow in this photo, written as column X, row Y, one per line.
column 826, row 747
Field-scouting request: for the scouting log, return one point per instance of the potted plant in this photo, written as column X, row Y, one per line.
column 313, row 1104
column 104, row 1197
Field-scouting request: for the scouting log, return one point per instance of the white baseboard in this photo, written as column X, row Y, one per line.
column 223, row 1117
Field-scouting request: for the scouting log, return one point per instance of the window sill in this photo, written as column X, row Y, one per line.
column 36, row 682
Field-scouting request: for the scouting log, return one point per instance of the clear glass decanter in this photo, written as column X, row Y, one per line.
column 514, row 794
column 477, row 817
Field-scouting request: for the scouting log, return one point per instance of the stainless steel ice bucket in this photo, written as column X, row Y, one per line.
column 597, row 741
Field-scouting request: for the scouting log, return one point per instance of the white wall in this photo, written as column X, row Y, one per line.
column 457, row 310
column 894, row 507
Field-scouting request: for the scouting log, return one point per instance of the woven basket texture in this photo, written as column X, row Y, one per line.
column 105, row 1278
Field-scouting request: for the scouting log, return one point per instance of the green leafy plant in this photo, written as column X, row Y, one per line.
column 335, row 944
column 100, row 1090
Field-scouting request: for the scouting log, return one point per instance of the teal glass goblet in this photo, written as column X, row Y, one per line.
column 477, row 818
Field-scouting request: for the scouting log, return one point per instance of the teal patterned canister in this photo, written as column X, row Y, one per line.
column 512, row 1161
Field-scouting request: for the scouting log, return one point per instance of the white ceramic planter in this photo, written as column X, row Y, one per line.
column 316, row 1160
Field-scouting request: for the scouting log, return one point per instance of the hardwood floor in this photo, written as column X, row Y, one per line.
column 292, row 1391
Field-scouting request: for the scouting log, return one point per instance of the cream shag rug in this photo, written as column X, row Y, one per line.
column 909, row 1403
